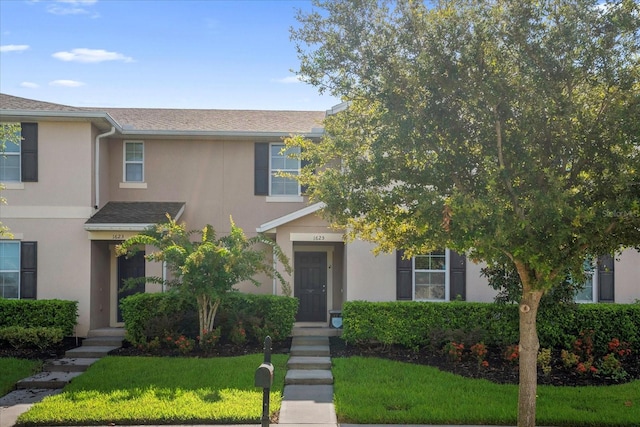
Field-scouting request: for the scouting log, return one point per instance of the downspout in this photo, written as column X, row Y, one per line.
column 97, row 168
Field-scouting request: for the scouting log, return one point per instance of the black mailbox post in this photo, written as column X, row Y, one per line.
column 264, row 379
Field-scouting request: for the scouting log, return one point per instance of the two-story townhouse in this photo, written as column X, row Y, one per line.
column 84, row 179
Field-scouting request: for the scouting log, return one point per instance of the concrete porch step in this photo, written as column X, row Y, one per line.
column 310, row 350
column 103, row 341
column 90, row 352
column 106, row 332
column 47, row 380
column 308, row 377
column 310, row 340
column 69, row 364
column 308, row 363
column 324, row 331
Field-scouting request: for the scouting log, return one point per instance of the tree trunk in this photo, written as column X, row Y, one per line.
column 528, row 350
column 207, row 310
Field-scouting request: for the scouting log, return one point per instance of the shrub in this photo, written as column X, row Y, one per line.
column 151, row 315
column 544, row 360
column 412, row 324
column 53, row 313
column 39, row 337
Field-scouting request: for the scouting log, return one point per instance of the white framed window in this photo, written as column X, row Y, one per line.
column 10, row 162
column 589, row 289
column 431, row 276
column 280, row 162
column 9, row 269
column 133, row 168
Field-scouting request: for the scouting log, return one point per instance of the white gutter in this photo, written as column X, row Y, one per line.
column 97, row 168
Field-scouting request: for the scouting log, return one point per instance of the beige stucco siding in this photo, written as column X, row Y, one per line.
column 64, row 170
column 627, row 277
column 369, row 277
column 64, row 261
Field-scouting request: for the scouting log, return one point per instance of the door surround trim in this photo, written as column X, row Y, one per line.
column 329, row 251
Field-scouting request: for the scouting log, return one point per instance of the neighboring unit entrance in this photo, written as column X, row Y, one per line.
column 129, row 268
column 310, row 286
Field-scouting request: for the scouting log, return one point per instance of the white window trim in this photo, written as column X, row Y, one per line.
column 594, row 288
column 447, row 275
column 125, row 162
column 19, row 155
column 13, row 271
column 281, row 197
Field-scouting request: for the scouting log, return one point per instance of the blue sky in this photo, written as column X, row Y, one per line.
column 154, row 53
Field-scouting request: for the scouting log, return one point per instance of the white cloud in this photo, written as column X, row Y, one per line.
column 71, row 7
column 289, row 79
column 91, row 56
column 14, row 47
column 29, row 85
column 66, row 83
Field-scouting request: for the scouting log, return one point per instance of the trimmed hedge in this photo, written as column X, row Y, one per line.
column 39, row 313
column 415, row 324
column 264, row 314
column 41, row 338
column 150, row 315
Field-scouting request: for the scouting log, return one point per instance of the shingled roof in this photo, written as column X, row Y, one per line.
column 133, row 215
column 149, row 120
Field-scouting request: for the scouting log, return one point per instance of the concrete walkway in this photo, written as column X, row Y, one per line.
column 58, row 373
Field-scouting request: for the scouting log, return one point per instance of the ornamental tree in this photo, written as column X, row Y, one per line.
column 507, row 130
column 207, row 268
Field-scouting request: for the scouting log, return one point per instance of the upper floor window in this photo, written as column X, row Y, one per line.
column 19, row 162
column 430, row 278
column 133, row 161
column 10, row 162
column 9, row 269
column 281, row 162
column 588, row 291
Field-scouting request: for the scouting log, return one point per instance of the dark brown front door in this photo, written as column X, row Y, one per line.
column 129, row 268
column 310, row 286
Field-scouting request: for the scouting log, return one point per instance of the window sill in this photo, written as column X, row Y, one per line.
column 13, row 185
column 285, row 199
column 138, row 185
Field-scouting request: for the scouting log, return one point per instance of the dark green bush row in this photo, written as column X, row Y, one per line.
column 38, row 337
column 262, row 314
column 150, row 315
column 39, row 313
column 414, row 324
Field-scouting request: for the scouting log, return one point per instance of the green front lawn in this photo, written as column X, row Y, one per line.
column 162, row 390
column 12, row 370
column 369, row 391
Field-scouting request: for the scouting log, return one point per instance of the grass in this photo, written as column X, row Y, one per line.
column 12, row 370
column 160, row 390
column 369, row 391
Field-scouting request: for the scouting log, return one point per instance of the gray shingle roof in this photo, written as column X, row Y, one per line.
column 136, row 212
column 186, row 120
column 9, row 102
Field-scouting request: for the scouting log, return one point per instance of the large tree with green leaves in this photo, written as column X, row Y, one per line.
column 505, row 129
column 207, row 268
column 9, row 134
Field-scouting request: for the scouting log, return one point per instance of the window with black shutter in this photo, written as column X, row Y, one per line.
column 29, row 152
column 28, row 270
column 261, row 169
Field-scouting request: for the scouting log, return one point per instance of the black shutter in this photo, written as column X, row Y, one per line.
column 303, row 188
column 606, row 283
column 457, row 276
column 261, row 169
column 404, row 277
column 28, row 269
column 29, row 152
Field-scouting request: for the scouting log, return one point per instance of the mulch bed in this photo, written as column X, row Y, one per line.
column 498, row 371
